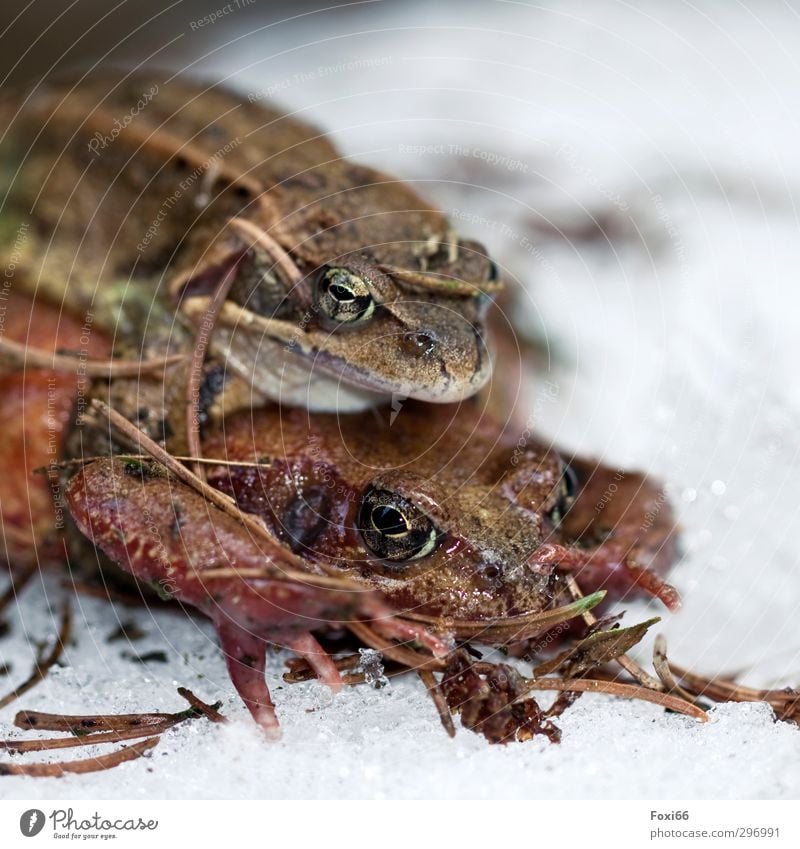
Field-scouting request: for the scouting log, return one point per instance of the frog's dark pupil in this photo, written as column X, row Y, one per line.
column 493, row 272
column 570, row 482
column 340, row 293
column 388, row 520
column 568, row 486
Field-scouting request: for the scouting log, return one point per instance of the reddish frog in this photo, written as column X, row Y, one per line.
column 442, row 515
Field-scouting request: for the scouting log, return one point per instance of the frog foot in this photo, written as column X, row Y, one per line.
column 246, row 659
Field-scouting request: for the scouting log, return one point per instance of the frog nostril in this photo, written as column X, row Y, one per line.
column 418, row 344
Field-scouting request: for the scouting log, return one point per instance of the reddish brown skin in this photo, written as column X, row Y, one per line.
column 35, row 408
column 498, row 555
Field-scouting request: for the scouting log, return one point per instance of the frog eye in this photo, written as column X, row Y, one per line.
column 344, row 297
column 567, row 487
column 393, row 528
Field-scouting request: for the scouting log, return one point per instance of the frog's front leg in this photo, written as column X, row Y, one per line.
column 163, row 532
column 246, row 659
column 624, row 524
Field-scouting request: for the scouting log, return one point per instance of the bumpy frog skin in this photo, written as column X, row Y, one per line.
column 134, row 193
column 455, row 522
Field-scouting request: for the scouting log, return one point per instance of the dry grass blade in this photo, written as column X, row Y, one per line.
column 194, row 376
column 512, row 628
column 594, row 651
column 661, row 666
column 226, row 505
column 630, row 666
column 98, row 764
column 442, row 708
column 614, row 688
column 406, row 657
column 18, row 354
column 785, row 703
column 43, row 665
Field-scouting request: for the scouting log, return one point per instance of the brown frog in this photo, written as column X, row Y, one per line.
column 134, row 199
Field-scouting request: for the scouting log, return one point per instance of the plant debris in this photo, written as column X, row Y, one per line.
column 785, row 702
column 56, row 770
column 494, row 699
column 156, row 656
column 127, row 630
column 98, row 730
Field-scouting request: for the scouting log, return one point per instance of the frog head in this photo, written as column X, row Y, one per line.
column 333, row 316
column 439, row 511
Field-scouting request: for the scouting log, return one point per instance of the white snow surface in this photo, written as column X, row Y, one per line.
column 674, row 346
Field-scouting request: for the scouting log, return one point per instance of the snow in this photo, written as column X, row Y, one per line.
column 673, row 347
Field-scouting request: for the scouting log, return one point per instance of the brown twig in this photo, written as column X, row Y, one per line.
column 43, row 665
column 661, row 666
column 301, row 670
column 184, row 458
column 91, row 730
column 227, row 506
column 23, row 746
column 440, row 702
column 209, row 711
column 201, row 342
column 19, row 354
column 614, row 688
column 512, row 628
column 97, row 764
column 406, row 657
column 83, row 725
column 258, row 236
column 785, row 703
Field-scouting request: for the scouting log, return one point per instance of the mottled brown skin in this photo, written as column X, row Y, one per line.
column 128, row 199
column 454, row 466
column 501, row 546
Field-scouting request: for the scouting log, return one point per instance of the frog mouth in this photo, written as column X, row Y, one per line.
column 507, row 629
column 340, row 372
